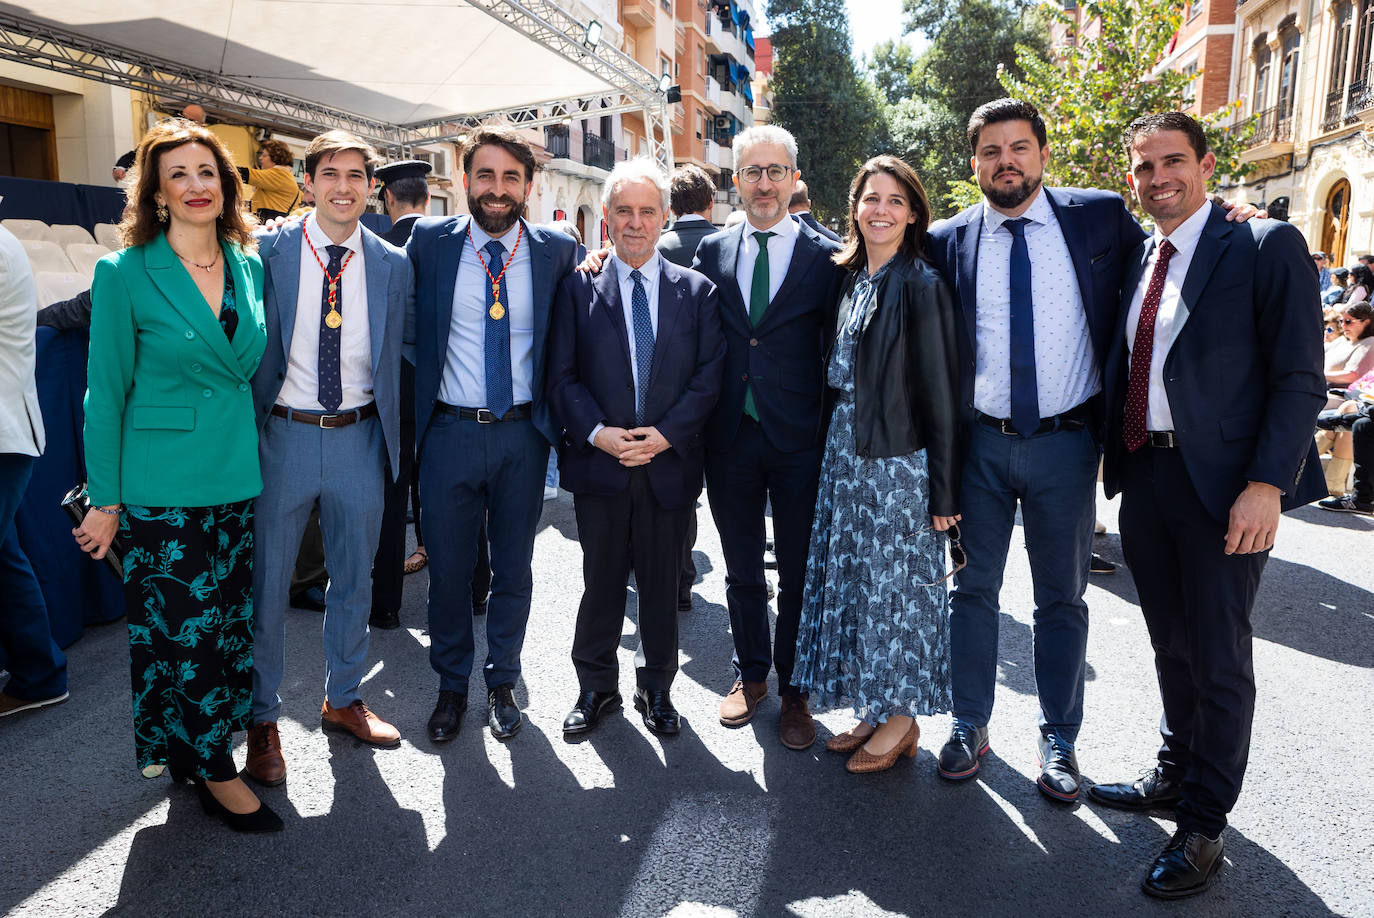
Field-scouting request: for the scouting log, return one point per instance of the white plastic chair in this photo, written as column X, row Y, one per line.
column 27, row 229
column 64, row 234
column 84, row 255
column 46, row 256
column 55, row 286
column 107, row 234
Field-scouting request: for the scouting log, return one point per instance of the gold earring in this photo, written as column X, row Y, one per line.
column 162, row 213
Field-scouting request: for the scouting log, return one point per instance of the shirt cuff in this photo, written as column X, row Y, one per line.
column 591, row 437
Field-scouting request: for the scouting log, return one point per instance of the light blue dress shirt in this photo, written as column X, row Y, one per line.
column 650, row 272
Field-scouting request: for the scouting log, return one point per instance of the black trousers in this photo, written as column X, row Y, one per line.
column 740, row 484
column 1362, row 447
column 615, row 532
column 1196, row 600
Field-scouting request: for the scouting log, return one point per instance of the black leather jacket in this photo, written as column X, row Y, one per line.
column 906, row 379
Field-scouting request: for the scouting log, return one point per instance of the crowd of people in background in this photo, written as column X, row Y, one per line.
column 268, row 397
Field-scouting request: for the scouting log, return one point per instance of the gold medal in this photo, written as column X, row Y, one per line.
column 333, row 319
column 497, row 311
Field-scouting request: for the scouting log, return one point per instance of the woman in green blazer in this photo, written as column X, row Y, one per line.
column 177, row 330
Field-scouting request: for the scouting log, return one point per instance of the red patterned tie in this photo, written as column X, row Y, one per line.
column 1138, row 388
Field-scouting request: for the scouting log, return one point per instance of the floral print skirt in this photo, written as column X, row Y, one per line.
column 188, row 589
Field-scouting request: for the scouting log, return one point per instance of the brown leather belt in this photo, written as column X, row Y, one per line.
column 521, row 412
column 327, row 421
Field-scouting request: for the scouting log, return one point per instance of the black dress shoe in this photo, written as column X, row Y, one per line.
column 447, row 718
column 312, row 599
column 260, row 820
column 1059, row 778
column 963, row 752
column 1186, row 866
column 503, row 714
column 684, row 600
column 658, row 712
column 586, row 714
column 387, row 621
column 1151, row 791
column 1100, row 565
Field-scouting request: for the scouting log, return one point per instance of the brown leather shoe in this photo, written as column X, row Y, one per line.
column 865, row 762
column 848, row 741
column 796, row 729
column 738, row 707
column 362, row 723
column 265, row 764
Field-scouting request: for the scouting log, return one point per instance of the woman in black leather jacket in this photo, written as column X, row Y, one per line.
column 875, row 618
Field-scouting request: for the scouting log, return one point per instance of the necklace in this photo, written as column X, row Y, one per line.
column 205, row 268
column 331, row 318
column 497, row 311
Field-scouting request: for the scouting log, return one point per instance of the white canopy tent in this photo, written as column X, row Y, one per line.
column 396, row 73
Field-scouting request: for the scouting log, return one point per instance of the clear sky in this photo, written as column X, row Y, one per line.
column 872, row 21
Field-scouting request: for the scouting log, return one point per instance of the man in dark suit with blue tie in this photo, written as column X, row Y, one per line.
column 635, row 360
column 778, row 291
column 1206, row 461
column 484, row 288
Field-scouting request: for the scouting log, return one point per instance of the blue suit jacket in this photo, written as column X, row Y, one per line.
column 1244, row 374
column 390, row 291
column 435, row 248
column 784, row 356
column 591, row 382
column 1100, row 233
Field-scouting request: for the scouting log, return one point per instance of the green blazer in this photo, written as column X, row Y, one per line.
column 169, row 408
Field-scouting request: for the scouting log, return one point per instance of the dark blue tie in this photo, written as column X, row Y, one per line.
column 499, row 388
column 1025, row 399
column 644, row 341
column 330, row 382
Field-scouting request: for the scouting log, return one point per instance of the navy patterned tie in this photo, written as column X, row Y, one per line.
column 330, row 382
column 499, row 388
column 1025, row 399
column 644, row 342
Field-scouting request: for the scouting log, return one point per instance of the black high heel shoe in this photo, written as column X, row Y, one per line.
column 260, row 820
column 179, row 776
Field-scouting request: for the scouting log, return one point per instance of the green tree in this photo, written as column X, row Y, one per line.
column 819, row 95
column 1093, row 89
column 891, row 66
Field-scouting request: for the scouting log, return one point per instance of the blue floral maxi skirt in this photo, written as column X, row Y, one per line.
column 870, row 636
column 188, row 589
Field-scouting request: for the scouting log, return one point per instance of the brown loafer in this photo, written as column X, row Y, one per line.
column 863, row 762
column 738, row 707
column 847, row 741
column 362, row 723
column 265, row 764
column 796, row 729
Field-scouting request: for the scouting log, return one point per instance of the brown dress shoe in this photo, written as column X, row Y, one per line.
column 847, row 741
column 362, row 723
column 796, row 729
column 864, row 762
column 738, row 707
column 265, row 764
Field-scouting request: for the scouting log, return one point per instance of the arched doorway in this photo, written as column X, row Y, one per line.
column 585, row 223
column 1336, row 222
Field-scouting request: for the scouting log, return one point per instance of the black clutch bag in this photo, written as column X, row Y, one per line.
column 77, row 504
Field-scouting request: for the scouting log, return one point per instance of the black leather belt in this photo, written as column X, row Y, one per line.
column 1075, row 418
column 327, row 421
column 1161, row 439
column 521, row 412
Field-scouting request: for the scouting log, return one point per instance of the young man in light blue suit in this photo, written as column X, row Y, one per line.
column 327, row 395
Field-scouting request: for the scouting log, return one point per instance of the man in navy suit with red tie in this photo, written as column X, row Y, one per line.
column 635, row 362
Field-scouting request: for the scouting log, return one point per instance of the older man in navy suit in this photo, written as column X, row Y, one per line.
column 1205, row 462
column 327, row 395
column 484, row 288
column 635, row 361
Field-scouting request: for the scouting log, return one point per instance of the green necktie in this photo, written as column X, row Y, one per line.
column 758, row 304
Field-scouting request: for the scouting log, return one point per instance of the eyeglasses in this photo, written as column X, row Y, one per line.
column 956, row 554
column 776, row 173
column 1319, row 258
column 1349, row 321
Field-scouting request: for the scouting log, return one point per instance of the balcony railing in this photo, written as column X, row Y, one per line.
column 598, row 152
column 713, row 91
column 556, row 141
column 1359, row 97
column 1331, row 117
column 1273, row 125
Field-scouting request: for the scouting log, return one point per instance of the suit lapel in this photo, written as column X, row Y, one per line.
column 1070, row 215
column 184, row 296
column 734, row 308
column 670, row 297
column 804, row 253
column 378, row 303
column 283, row 264
column 450, row 253
column 607, row 300
column 541, row 272
column 966, row 277
column 1210, row 246
column 243, row 296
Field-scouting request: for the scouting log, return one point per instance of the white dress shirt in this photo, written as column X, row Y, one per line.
column 1172, row 313
column 301, row 387
column 21, row 420
column 1066, row 370
column 650, row 272
column 464, row 380
column 780, row 247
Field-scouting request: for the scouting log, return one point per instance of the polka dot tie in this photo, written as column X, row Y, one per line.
column 644, row 342
column 330, row 381
column 1142, row 351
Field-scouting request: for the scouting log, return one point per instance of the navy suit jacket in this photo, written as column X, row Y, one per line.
column 435, row 247
column 1101, row 235
column 1244, row 374
column 590, row 380
column 390, row 292
column 816, row 225
column 784, row 356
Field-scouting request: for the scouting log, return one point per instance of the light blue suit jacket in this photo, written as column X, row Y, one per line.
column 390, row 299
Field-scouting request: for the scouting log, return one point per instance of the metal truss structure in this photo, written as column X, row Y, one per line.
column 630, row 86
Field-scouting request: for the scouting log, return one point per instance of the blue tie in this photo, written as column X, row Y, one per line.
column 1025, row 399
column 644, row 342
column 327, row 366
column 499, row 388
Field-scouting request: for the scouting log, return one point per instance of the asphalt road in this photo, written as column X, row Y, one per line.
column 715, row 822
